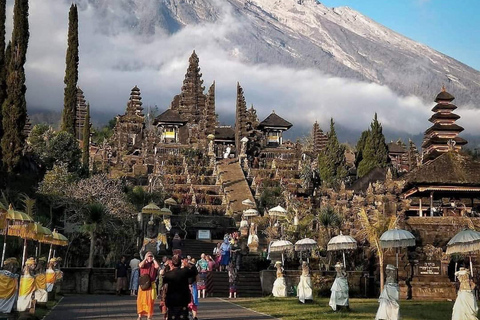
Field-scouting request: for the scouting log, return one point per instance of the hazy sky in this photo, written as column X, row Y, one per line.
column 451, row 27
column 113, row 59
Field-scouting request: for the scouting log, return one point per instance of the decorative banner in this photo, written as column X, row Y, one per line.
column 8, row 290
column 27, row 286
column 41, row 288
column 169, row 134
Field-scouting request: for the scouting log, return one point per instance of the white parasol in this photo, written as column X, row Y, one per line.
column 280, row 246
column 305, row 244
column 342, row 242
column 250, row 213
column 278, row 211
column 397, row 238
column 248, row 202
column 466, row 241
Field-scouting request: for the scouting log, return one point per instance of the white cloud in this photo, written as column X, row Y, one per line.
column 113, row 61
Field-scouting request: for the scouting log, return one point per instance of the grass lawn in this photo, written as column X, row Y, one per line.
column 291, row 309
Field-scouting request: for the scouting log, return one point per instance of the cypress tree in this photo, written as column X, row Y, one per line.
column 71, row 74
column 331, row 162
column 360, row 146
column 86, row 140
column 14, row 108
column 3, row 73
column 375, row 151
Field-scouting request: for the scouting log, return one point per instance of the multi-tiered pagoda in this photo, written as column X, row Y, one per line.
column 443, row 135
column 80, row 114
column 319, row 138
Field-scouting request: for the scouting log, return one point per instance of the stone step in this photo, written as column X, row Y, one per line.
column 248, row 284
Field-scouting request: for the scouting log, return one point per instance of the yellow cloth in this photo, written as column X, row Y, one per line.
column 8, row 286
column 146, row 300
column 50, row 276
column 162, row 238
column 27, row 286
column 41, row 281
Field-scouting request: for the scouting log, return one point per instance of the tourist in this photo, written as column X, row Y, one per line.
column 235, row 253
column 121, row 270
column 167, row 266
column 147, row 291
column 465, row 307
column 304, row 288
column 339, row 295
column 388, row 308
column 232, row 280
column 279, row 286
column 195, row 293
column 211, row 263
column 177, row 244
column 135, row 274
column 202, row 267
column 178, row 293
column 217, row 253
column 225, row 254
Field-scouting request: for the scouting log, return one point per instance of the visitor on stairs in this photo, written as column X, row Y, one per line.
column 121, row 270
column 202, row 267
column 134, row 275
column 232, row 280
column 225, row 254
column 147, row 292
column 195, row 294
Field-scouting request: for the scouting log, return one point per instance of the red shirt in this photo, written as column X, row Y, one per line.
column 149, row 268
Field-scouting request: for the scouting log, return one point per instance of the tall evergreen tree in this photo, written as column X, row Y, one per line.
column 360, row 146
column 86, row 140
column 71, row 74
column 3, row 72
column 14, row 109
column 375, row 151
column 332, row 161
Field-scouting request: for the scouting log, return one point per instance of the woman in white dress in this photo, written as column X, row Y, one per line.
column 389, row 309
column 279, row 286
column 465, row 307
column 339, row 296
column 304, row 289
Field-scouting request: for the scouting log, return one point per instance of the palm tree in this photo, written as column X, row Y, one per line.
column 95, row 213
column 329, row 219
column 373, row 225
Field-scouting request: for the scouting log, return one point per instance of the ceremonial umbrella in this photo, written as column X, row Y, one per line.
column 397, row 238
column 57, row 239
column 17, row 224
column 280, row 246
column 278, row 211
column 305, row 244
column 38, row 233
column 342, row 242
column 248, row 202
column 151, row 208
column 466, row 241
column 166, row 212
column 170, row 202
column 250, row 213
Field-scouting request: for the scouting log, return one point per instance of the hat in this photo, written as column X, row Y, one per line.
column 391, row 267
column 30, row 261
column 53, row 260
column 11, row 260
column 339, row 265
column 278, row 263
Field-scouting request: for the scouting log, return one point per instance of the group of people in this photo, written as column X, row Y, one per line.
column 304, row 287
column 228, row 252
column 37, row 279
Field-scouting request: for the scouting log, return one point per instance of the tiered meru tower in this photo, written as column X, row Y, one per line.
column 80, row 114
column 443, row 135
column 319, row 138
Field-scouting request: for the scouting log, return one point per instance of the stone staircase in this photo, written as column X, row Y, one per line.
column 195, row 248
column 248, row 284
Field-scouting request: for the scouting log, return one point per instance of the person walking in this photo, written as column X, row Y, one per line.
column 147, row 293
column 232, row 280
column 121, row 270
column 135, row 274
column 202, row 267
column 225, row 254
column 178, row 294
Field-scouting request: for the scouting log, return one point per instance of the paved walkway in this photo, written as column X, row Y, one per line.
column 122, row 308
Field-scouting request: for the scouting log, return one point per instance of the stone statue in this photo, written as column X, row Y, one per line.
column 252, row 242
column 304, row 288
column 339, row 295
column 9, row 284
column 389, row 308
column 40, row 281
column 27, row 286
column 243, row 226
column 279, row 286
column 163, row 231
column 465, row 307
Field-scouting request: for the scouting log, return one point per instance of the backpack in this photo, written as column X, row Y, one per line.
column 144, row 282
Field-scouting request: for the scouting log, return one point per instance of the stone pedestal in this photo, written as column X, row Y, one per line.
column 436, row 287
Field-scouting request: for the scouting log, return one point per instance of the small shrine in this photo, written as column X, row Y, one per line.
column 273, row 127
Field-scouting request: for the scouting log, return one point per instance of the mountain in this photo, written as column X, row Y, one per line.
column 303, row 34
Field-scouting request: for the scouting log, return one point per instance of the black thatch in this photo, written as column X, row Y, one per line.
column 450, row 168
column 445, row 127
column 442, row 116
column 396, row 148
column 274, row 120
column 224, row 133
column 444, row 141
column 445, row 96
column 169, row 116
column 376, row 174
column 441, row 106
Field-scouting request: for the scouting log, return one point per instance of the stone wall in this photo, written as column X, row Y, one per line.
column 85, row 280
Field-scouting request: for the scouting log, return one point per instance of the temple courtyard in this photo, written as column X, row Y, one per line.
column 124, row 307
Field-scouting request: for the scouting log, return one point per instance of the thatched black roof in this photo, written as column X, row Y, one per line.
column 445, row 96
column 441, row 106
column 450, row 168
column 224, row 133
column 394, row 147
column 274, row 120
column 169, row 116
column 437, row 140
column 442, row 116
column 376, row 174
column 445, row 127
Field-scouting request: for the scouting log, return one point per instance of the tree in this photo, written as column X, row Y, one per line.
column 375, row 151
column 63, row 147
column 3, row 73
column 373, row 226
column 71, row 74
column 86, row 141
column 14, row 109
column 331, row 163
column 95, row 214
column 360, row 146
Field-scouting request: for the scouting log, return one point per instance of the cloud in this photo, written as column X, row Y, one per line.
column 114, row 57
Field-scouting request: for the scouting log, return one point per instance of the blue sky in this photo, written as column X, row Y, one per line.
column 451, row 27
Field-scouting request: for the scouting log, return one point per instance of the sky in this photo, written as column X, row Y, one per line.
column 450, row 27
column 113, row 59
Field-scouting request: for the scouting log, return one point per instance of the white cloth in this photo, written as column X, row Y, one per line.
column 279, row 288
column 252, row 238
column 134, row 263
column 41, row 295
column 389, row 309
column 465, row 307
column 339, row 296
column 304, row 289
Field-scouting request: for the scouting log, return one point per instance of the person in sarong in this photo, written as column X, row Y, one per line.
column 465, row 307
column 232, row 281
column 41, row 294
column 146, row 298
column 388, row 308
column 8, row 285
column 304, row 288
column 279, row 286
column 202, row 267
column 134, row 266
column 339, row 295
column 27, row 286
column 225, row 254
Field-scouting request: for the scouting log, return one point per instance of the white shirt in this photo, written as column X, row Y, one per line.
column 134, row 263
